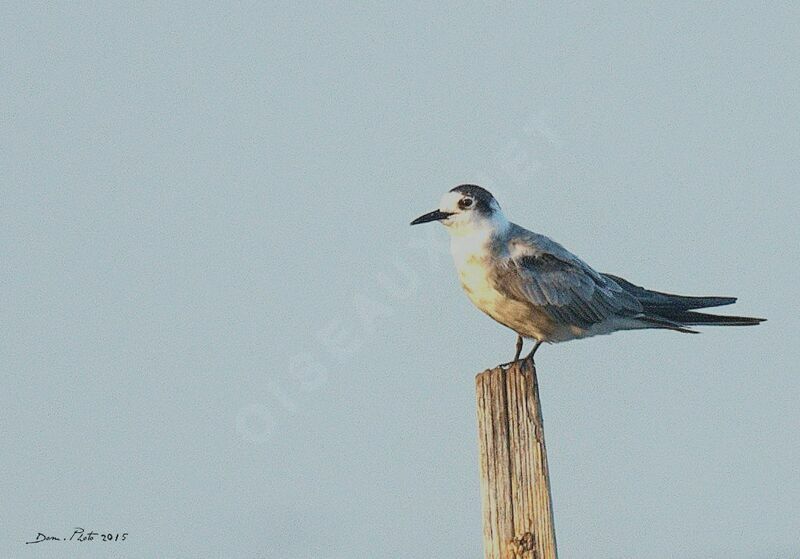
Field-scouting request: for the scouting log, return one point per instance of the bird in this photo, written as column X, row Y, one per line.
column 540, row 290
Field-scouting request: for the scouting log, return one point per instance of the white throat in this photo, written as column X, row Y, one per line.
column 471, row 240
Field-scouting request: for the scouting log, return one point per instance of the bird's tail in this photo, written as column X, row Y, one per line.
column 692, row 318
column 656, row 300
column 665, row 310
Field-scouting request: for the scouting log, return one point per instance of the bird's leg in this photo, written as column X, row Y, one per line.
column 517, row 354
column 535, row 347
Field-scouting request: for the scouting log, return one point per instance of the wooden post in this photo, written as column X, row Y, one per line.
column 515, row 484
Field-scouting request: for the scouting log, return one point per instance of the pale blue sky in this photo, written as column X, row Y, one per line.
column 221, row 336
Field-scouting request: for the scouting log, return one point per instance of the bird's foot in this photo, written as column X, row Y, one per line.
column 530, row 356
column 516, row 355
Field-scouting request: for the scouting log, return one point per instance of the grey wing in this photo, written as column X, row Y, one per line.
column 565, row 288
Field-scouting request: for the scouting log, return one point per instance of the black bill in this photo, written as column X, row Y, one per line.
column 435, row 215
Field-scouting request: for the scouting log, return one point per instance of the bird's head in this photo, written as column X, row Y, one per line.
column 465, row 209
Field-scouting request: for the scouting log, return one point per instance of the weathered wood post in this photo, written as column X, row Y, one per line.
column 515, row 484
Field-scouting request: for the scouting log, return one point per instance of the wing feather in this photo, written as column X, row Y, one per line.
column 545, row 274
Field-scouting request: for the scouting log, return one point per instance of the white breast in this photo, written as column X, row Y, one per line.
column 475, row 281
column 471, row 256
column 474, row 263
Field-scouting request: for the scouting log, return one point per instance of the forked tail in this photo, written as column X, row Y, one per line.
column 665, row 310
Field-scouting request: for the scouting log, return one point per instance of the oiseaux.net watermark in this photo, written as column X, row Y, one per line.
column 341, row 339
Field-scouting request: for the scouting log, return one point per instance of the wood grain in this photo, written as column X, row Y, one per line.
column 515, row 485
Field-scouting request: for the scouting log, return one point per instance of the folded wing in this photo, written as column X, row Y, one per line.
column 566, row 289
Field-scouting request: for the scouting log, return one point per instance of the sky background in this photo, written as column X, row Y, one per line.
column 220, row 335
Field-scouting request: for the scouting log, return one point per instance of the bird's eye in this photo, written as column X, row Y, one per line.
column 465, row 203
